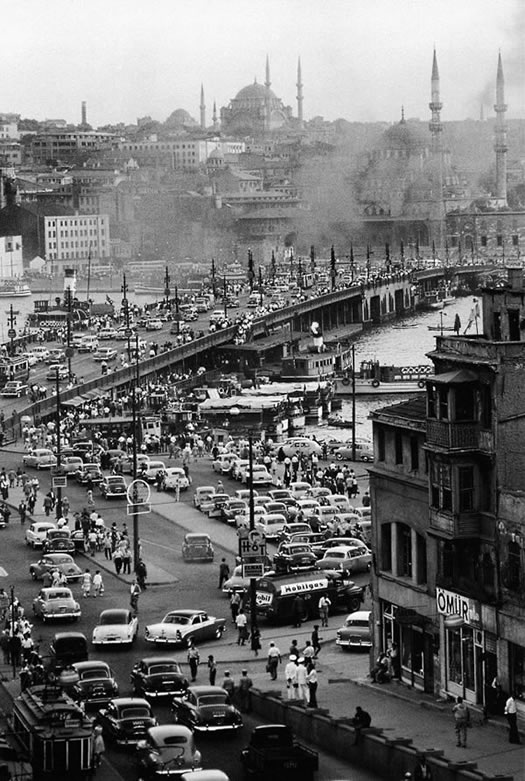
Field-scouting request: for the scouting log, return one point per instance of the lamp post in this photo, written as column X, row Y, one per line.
column 225, row 296
column 251, row 506
column 59, row 446
column 12, row 331
column 167, row 288
column 137, row 439
column 125, row 305
column 177, row 320
column 69, row 349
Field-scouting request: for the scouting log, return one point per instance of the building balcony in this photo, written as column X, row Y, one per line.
column 461, row 525
column 468, row 587
column 458, row 436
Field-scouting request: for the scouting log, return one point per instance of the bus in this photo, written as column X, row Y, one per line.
column 113, row 427
column 13, row 369
column 54, row 732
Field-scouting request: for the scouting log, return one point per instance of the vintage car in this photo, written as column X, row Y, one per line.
column 105, row 354
column 213, row 506
column 14, row 388
column 158, row 676
column 352, row 558
column 150, row 470
column 322, row 547
column 293, row 528
column 355, row 632
column 66, row 648
column 36, row 533
column 126, row 719
column 117, row 626
column 232, row 508
column 270, row 526
column 206, row 709
column 179, row 626
column 40, row 458
column 89, row 471
column 202, row 493
column 127, row 464
column 175, row 477
column 63, row 562
column 57, row 370
column 96, row 683
column 363, row 452
column 113, row 486
column 59, row 541
column 167, row 751
column 197, row 547
column 56, row 603
column 294, row 556
column 70, row 464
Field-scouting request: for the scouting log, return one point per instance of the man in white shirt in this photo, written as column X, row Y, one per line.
column 302, row 680
column 274, row 657
column 512, row 718
column 290, row 674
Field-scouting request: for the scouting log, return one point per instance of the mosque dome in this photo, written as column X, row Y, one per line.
column 180, row 118
column 255, row 92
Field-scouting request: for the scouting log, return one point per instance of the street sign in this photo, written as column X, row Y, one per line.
column 59, row 482
column 138, row 492
column 253, row 570
column 252, row 547
column 139, row 509
column 128, row 332
column 11, row 333
column 69, row 352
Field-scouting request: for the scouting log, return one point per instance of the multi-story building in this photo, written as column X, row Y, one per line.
column 11, row 263
column 184, row 153
column 68, row 146
column 9, row 127
column 448, row 498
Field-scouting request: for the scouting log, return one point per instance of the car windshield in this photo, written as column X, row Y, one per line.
column 89, row 675
column 157, row 669
column 54, row 560
column 355, row 622
column 59, row 595
column 175, row 619
column 197, row 540
column 115, row 480
column 213, row 699
column 113, row 617
column 135, row 712
column 336, row 554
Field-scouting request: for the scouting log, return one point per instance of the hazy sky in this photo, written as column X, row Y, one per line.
column 361, row 59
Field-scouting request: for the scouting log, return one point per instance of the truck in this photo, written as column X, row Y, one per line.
column 274, row 753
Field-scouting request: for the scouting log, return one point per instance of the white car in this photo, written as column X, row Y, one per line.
column 41, row 353
column 224, row 462
column 308, row 506
column 202, row 494
column 300, row 490
column 270, row 525
column 178, row 626
column 175, row 476
column 260, row 475
column 36, row 533
column 118, row 626
column 154, row 325
column 152, row 467
column 14, row 388
column 105, row 354
column 107, row 333
column 243, row 518
column 30, row 357
column 40, row 458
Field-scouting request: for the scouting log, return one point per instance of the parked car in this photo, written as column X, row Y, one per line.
column 55, row 355
column 96, row 683
column 40, row 458
column 168, row 751
column 70, row 464
column 293, row 528
column 57, row 369
column 113, row 486
column 117, row 626
column 293, row 556
column 260, row 475
column 363, row 452
column 213, row 508
column 197, row 547
column 270, row 526
column 299, row 489
column 175, row 477
column 105, row 354
column 279, row 494
column 40, row 352
column 36, row 533
column 154, row 324
column 207, row 709
column 14, row 388
column 67, row 648
column 59, row 541
column 232, row 508
column 107, row 333
column 89, row 471
column 355, row 632
column 202, row 493
column 56, row 603
column 127, row 465
column 224, row 462
column 126, row 720
column 350, row 558
column 63, row 562
column 149, row 471
column 179, row 626
column 158, row 676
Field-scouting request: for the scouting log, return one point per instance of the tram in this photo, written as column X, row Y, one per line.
column 54, row 732
column 13, row 369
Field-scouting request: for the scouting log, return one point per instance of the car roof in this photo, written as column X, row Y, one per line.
column 115, row 611
column 196, row 536
column 159, row 660
column 92, row 664
column 202, row 689
column 164, row 730
column 57, row 556
column 185, row 612
column 360, row 615
column 122, row 701
column 51, row 590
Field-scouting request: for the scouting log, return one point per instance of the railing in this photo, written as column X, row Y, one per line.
column 453, row 436
column 455, row 525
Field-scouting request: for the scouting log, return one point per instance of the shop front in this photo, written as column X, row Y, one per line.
column 417, row 642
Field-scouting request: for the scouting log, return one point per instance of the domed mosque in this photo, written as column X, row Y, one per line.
column 256, row 110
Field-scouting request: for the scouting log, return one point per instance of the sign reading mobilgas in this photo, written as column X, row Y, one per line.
column 308, row 585
column 450, row 604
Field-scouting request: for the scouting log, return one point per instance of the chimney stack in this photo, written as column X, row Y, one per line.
column 84, row 113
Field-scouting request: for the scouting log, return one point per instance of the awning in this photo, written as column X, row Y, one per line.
column 456, row 377
column 76, row 402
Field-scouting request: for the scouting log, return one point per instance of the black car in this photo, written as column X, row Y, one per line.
column 96, row 684
column 206, row 709
column 158, row 676
column 59, row 541
column 67, row 648
column 90, row 471
column 294, row 556
column 126, row 719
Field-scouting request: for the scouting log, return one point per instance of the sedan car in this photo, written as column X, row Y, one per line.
column 349, row 558
column 270, row 526
column 294, row 556
column 70, row 464
column 363, row 452
column 213, row 508
column 57, row 369
column 158, row 676
column 56, row 603
column 40, row 458
column 59, row 541
column 118, row 626
column 355, row 632
column 197, row 547
column 105, row 354
column 175, row 477
column 168, row 751
column 202, row 494
column 232, row 508
column 179, row 626
column 89, row 471
column 96, row 683
column 113, row 487
column 14, row 388
column 207, row 709
column 36, row 533
column 63, row 562
column 126, row 719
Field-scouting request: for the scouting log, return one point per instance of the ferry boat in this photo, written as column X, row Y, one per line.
column 375, row 379
column 149, row 290
column 14, row 289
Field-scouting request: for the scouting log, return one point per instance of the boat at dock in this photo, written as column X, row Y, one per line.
column 149, row 290
column 14, row 289
column 374, row 379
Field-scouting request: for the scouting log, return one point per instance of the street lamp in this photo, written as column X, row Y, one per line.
column 167, row 287
column 59, row 447
column 225, row 296
column 12, row 331
column 125, row 305
column 137, row 439
column 177, row 320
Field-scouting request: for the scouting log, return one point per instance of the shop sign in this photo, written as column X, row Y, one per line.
column 450, row 604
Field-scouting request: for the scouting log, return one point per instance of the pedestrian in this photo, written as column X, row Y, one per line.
column 461, row 721
column 193, row 660
column 142, row 573
column 422, row 771
column 255, row 640
column 134, row 593
column 365, row 501
column 241, row 623
column 302, row 680
column 98, row 747
column 48, row 504
column 312, row 681
column 235, row 604
column 316, row 641
column 107, row 546
column 117, row 560
column 290, row 676
column 22, row 511
column 86, row 583
column 394, row 666
column 324, row 608
column 92, row 542
column 126, row 559
column 274, row 659
column 361, row 720
column 224, row 572
column 212, row 669
column 308, row 653
column 98, row 585
column 298, row 610
column 245, row 697
column 512, row 719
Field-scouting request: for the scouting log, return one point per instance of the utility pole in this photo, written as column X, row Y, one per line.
column 353, row 402
column 213, row 278
column 69, row 350
column 251, row 506
column 59, row 447
column 167, row 287
column 225, row 295
column 137, row 439
column 177, row 316
column 12, row 330
column 125, row 305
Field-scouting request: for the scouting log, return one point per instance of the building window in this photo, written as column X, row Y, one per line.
column 466, row 488
column 398, row 447
column 497, row 326
column 441, row 486
column 443, row 403
column 483, row 241
column 386, row 547
column 513, row 566
column 404, row 550
column 514, row 324
column 517, row 670
column 380, row 444
column 421, row 574
column 499, row 240
column 414, row 454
